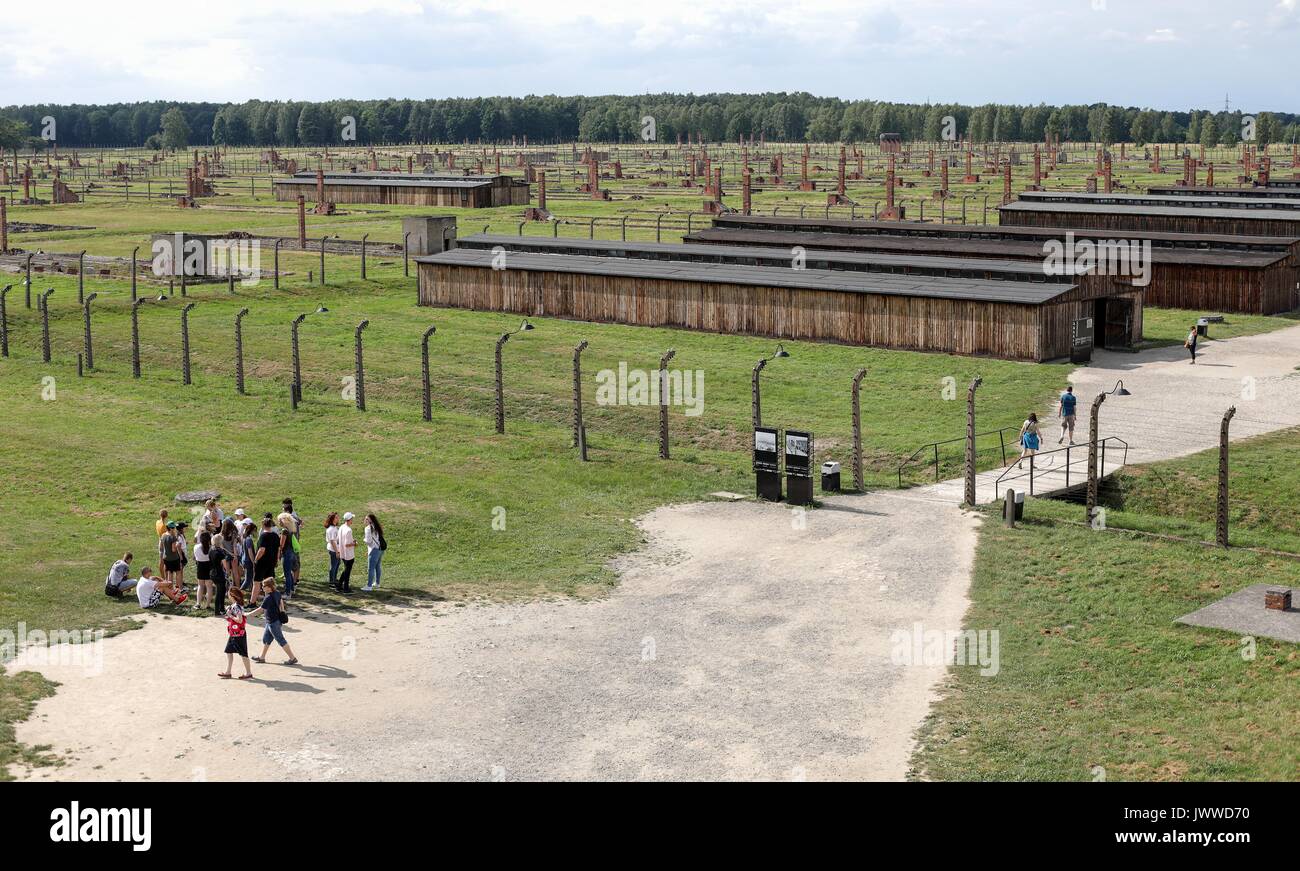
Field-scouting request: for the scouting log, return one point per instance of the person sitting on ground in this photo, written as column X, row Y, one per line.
column 150, row 590
column 117, row 581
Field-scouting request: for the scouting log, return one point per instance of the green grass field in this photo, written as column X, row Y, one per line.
column 1093, row 670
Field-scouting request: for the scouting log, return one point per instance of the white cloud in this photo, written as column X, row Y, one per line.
column 946, row 50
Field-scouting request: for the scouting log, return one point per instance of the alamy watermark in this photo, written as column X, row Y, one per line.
column 66, row 648
column 625, row 386
column 921, row 646
column 1124, row 258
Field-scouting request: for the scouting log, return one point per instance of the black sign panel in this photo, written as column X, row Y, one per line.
column 767, row 454
column 1081, row 340
column 798, row 453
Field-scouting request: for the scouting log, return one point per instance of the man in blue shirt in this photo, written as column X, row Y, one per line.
column 1068, row 403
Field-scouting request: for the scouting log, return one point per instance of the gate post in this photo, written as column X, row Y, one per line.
column 970, row 440
column 577, row 393
column 1221, row 516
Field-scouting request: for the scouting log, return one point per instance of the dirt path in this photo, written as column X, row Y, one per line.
column 736, row 646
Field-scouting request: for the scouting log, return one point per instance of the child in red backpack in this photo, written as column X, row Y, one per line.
column 237, row 630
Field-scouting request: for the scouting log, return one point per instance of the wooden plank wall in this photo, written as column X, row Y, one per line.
column 1191, row 222
column 483, row 197
column 1007, row 330
column 1267, row 291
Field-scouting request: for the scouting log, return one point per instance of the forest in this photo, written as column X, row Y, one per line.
column 717, row 117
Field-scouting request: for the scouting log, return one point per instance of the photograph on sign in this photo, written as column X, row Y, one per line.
column 765, row 440
column 796, row 445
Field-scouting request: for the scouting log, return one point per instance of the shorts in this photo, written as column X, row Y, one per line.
column 154, row 598
column 204, row 569
column 172, row 565
column 263, row 572
column 238, row 644
column 274, row 632
column 1068, row 421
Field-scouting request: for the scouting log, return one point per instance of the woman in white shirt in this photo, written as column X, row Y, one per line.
column 332, row 545
column 375, row 546
column 203, row 567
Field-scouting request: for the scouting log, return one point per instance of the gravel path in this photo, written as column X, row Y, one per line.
column 736, row 646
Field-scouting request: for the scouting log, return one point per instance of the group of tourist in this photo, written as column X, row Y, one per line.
column 235, row 559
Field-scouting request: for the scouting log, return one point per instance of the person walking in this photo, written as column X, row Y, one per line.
column 273, row 609
column 1029, row 440
column 1190, row 343
column 375, row 547
column 1069, row 403
column 332, row 546
column 347, row 552
column 236, row 635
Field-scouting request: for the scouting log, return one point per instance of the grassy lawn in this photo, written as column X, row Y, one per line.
column 1095, row 677
column 1178, row 497
column 1094, row 671
column 1168, row 326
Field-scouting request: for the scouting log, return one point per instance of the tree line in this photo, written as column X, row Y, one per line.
column 786, row 117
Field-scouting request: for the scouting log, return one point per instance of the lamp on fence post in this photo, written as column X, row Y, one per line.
column 501, row 396
column 85, row 338
column 406, row 252
column 185, row 342
column 4, row 321
column 239, row 351
column 755, row 397
column 45, row 325
column 970, row 440
column 857, row 429
column 1221, row 515
column 424, row 372
column 363, row 255
column 361, row 367
column 295, row 388
column 277, row 263
column 577, row 394
column 663, row 402
column 134, row 251
column 81, row 278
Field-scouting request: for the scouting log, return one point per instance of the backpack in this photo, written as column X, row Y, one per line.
column 111, row 590
column 383, row 542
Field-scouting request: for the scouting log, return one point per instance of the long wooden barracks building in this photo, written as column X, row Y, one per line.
column 1214, row 273
column 953, row 305
column 407, row 189
column 1280, row 218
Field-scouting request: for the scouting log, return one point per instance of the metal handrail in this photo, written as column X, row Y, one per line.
column 1101, row 444
column 934, row 446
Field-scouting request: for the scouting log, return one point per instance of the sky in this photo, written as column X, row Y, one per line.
column 1163, row 54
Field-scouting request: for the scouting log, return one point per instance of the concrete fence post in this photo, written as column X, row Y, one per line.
column 1093, row 426
column 857, row 429
column 970, row 440
column 1221, row 514
column 663, row 402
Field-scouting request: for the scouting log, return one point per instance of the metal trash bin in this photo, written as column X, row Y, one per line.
column 1203, row 327
column 830, row 477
